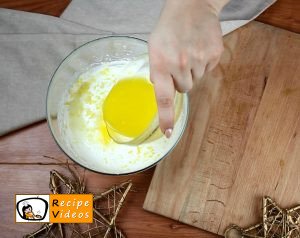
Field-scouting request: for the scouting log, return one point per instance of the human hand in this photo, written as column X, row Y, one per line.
column 186, row 43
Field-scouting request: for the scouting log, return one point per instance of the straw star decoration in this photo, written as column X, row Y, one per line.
column 106, row 208
column 277, row 223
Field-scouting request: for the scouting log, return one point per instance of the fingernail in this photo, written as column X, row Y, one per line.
column 168, row 132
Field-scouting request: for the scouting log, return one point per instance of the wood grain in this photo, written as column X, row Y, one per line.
column 48, row 7
column 270, row 163
column 30, row 145
column 284, row 14
column 135, row 222
column 251, row 143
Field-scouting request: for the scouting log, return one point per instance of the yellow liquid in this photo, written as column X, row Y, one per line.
column 130, row 106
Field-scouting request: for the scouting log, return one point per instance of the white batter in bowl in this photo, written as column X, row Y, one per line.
column 74, row 107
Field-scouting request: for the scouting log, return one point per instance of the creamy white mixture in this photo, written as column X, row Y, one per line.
column 84, row 131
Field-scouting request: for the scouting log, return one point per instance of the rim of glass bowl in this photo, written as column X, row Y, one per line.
column 70, row 157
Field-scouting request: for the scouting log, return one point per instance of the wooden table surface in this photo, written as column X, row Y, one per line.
column 24, row 154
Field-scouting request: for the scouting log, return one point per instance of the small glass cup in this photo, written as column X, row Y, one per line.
column 152, row 132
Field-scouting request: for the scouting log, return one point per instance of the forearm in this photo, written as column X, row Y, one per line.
column 186, row 42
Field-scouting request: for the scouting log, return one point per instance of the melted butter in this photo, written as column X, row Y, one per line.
column 105, row 136
column 130, row 106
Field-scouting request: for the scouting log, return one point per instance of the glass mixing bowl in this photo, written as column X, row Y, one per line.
column 107, row 49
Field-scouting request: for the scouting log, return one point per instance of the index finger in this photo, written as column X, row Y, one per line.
column 164, row 92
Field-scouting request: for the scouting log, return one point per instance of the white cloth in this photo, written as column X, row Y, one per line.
column 31, row 47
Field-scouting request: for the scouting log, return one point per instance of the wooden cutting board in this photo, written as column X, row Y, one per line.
column 243, row 136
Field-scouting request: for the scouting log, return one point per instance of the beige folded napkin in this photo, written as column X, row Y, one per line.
column 33, row 45
column 18, row 22
column 140, row 16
